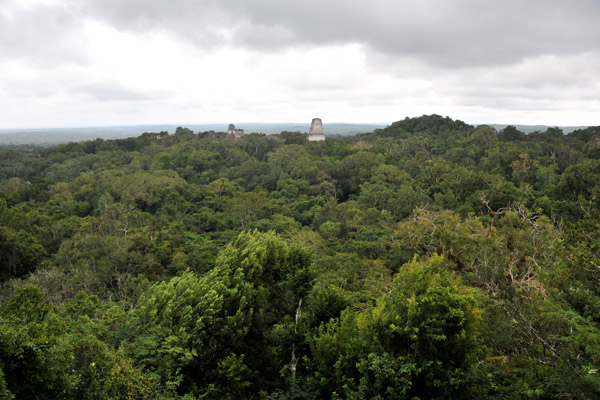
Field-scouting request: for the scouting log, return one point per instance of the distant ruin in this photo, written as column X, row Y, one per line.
column 316, row 134
column 233, row 133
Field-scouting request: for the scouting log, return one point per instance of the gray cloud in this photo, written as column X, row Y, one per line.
column 435, row 55
column 43, row 34
column 447, row 34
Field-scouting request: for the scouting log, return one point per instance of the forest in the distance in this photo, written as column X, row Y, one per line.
column 426, row 260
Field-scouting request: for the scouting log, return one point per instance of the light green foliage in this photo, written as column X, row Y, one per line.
column 212, row 334
column 416, row 342
column 47, row 352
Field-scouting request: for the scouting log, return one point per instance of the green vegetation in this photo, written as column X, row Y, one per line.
column 426, row 260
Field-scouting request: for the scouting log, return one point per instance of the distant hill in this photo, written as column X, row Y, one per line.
column 65, row 135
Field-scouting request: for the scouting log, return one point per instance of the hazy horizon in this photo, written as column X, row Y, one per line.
column 55, row 136
column 224, row 125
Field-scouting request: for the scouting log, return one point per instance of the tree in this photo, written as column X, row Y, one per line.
column 21, row 250
column 511, row 134
column 215, row 335
column 416, row 342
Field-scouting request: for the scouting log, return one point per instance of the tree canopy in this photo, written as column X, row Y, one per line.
column 428, row 259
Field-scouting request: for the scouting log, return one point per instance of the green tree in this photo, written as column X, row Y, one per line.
column 417, row 342
column 215, row 335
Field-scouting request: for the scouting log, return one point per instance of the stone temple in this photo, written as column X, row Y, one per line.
column 233, row 133
column 316, row 134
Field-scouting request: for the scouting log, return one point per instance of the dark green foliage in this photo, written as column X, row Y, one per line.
column 20, row 249
column 429, row 259
column 511, row 134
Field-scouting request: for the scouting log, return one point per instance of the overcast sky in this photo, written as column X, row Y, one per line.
column 67, row 63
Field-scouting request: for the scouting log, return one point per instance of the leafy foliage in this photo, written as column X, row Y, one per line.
column 429, row 259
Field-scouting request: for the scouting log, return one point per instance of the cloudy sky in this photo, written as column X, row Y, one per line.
column 67, row 63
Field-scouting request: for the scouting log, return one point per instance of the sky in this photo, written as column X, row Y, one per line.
column 76, row 63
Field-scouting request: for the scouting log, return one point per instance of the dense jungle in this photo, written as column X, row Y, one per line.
column 430, row 259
